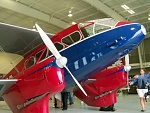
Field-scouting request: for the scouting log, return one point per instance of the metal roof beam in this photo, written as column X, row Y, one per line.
column 20, row 8
column 102, row 7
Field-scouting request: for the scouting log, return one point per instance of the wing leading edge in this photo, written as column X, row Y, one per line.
column 5, row 84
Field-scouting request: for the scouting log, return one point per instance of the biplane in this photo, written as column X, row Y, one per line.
column 76, row 59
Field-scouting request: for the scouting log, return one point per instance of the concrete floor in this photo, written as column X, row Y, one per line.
column 125, row 104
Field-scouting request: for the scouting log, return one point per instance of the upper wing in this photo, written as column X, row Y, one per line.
column 14, row 39
column 5, row 84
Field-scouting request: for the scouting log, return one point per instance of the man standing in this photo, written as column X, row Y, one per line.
column 65, row 100
column 142, row 83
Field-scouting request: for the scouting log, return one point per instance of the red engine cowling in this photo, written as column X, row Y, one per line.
column 102, row 87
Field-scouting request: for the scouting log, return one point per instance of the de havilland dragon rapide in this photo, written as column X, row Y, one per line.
column 76, row 59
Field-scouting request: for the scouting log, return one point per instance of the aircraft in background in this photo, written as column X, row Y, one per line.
column 84, row 53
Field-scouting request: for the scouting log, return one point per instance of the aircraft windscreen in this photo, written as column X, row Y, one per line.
column 96, row 26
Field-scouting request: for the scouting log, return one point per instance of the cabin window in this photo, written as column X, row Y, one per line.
column 58, row 46
column 38, row 55
column 49, row 53
column 46, row 53
column 85, row 33
column 86, row 29
column 31, row 62
column 67, row 40
column 75, row 36
column 72, row 38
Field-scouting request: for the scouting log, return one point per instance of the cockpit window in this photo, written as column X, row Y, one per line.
column 72, row 38
column 100, row 28
column 95, row 26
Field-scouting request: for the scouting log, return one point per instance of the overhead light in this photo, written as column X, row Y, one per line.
column 34, row 27
column 148, row 18
column 131, row 12
column 125, row 6
column 70, row 11
column 127, row 9
column 73, row 23
column 70, row 15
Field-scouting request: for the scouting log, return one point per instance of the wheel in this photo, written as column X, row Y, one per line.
column 108, row 108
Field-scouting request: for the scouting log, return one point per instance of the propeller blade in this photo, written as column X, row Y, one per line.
column 127, row 59
column 61, row 61
column 127, row 66
column 76, row 81
column 48, row 42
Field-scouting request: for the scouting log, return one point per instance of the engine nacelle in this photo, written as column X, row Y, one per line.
column 103, row 86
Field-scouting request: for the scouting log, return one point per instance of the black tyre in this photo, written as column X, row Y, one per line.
column 107, row 108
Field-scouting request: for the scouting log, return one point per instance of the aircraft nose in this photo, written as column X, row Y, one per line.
column 143, row 30
column 124, row 23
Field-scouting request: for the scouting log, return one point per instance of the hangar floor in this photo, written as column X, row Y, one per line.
column 126, row 104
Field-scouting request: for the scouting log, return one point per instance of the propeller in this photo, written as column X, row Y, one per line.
column 127, row 67
column 60, row 60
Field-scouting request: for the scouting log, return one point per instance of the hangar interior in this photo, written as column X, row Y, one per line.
column 53, row 16
column 56, row 15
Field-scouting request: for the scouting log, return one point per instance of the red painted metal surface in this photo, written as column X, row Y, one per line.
column 103, row 87
column 36, row 81
column 123, row 23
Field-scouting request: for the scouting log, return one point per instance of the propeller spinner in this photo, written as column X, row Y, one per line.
column 60, row 60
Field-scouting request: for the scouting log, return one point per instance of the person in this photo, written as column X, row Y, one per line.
column 58, row 100
column 142, row 87
column 71, row 98
column 55, row 102
column 64, row 95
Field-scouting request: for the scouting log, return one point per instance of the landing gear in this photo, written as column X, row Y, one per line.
column 108, row 108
